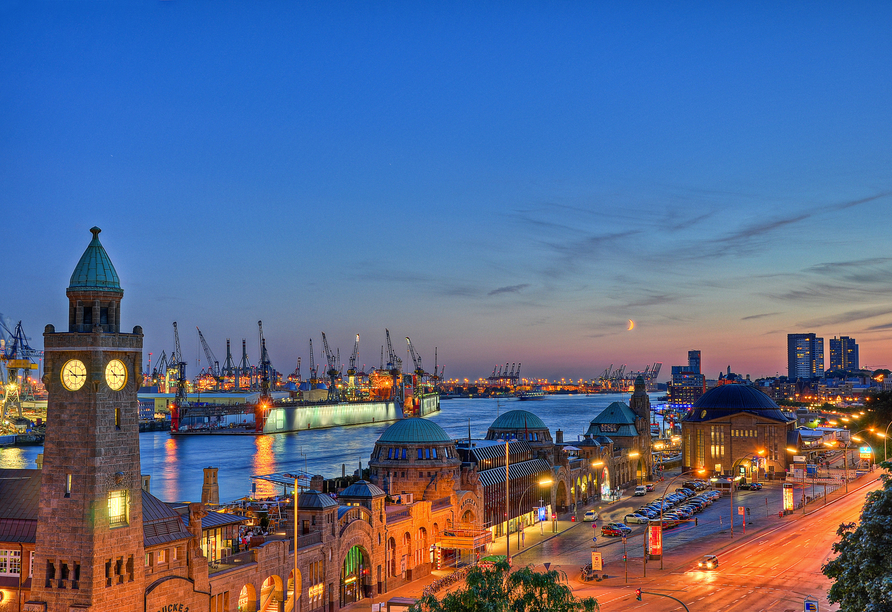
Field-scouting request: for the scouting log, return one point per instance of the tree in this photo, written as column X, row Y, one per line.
column 497, row 589
column 861, row 570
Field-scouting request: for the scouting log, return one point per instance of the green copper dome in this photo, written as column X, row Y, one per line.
column 518, row 419
column 94, row 271
column 414, row 431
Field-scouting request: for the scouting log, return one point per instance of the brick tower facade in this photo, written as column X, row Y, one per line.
column 89, row 550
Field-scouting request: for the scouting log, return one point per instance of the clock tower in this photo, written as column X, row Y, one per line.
column 89, row 551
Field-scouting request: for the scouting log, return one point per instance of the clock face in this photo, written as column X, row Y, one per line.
column 74, row 374
column 116, row 374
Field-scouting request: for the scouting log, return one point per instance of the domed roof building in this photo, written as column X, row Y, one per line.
column 737, row 430
column 519, row 424
column 416, row 457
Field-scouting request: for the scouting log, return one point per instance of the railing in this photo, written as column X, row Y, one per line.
column 440, row 504
column 399, row 515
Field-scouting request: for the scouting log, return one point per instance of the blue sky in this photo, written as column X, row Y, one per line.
column 504, row 181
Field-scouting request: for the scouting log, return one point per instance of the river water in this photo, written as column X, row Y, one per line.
column 175, row 464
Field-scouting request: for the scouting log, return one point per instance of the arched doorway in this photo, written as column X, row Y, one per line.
column 247, row 599
column 641, row 474
column 561, row 499
column 391, row 556
column 355, row 576
column 271, row 594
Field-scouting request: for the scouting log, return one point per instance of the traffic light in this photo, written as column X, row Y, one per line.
column 638, row 594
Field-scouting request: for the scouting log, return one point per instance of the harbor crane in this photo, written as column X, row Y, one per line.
column 16, row 354
column 314, row 371
column 228, row 365
column 265, row 367
column 394, row 366
column 333, row 372
column 295, row 376
column 244, row 366
column 351, row 371
column 213, row 367
column 181, row 369
column 416, row 360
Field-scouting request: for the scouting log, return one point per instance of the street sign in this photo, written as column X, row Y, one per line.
column 594, row 539
column 597, row 565
column 740, row 510
column 547, row 565
column 798, row 458
column 810, row 605
column 811, row 469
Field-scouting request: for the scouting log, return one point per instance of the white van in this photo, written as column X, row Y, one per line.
column 640, row 490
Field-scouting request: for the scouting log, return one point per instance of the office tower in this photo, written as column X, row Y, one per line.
column 694, row 362
column 805, row 356
column 844, row 354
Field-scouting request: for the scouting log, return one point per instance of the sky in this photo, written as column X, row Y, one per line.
column 504, row 181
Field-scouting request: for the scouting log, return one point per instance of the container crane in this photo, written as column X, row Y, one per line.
column 333, row 372
column 394, row 365
column 244, row 366
column 228, row 364
column 16, row 355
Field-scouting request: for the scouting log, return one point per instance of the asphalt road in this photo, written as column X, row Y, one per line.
column 771, row 568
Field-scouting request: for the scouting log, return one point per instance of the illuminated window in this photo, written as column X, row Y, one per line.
column 117, row 509
column 10, row 562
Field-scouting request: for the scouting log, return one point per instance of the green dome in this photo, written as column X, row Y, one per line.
column 414, row 431
column 518, row 419
column 94, row 271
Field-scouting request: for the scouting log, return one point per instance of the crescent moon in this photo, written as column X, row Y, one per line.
column 631, row 325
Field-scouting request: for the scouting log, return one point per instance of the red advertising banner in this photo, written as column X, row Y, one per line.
column 655, row 538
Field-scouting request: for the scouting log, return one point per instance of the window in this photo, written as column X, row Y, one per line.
column 88, row 315
column 161, row 556
column 117, row 509
column 10, row 562
column 67, row 485
column 390, row 453
column 434, row 453
column 427, row 453
column 404, row 454
column 421, row 453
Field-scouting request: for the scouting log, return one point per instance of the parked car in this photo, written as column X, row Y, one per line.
column 609, row 530
column 708, row 562
column 635, row 518
column 649, row 486
column 670, row 523
column 744, row 486
column 755, row 486
column 588, row 517
column 624, row 529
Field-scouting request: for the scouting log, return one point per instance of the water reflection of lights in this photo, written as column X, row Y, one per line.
column 264, row 463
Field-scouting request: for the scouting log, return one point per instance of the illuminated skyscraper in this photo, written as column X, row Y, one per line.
column 844, row 354
column 805, row 356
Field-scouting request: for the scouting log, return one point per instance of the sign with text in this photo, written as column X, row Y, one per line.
column 655, row 538
column 798, row 458
column 788, row 496
column 597, row 564
column 740, row 510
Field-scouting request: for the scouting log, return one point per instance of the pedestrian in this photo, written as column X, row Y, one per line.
column 523, row 538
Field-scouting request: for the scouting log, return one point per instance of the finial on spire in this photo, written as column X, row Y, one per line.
column 95, row 230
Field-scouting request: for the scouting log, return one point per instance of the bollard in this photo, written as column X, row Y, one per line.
column 780, row 514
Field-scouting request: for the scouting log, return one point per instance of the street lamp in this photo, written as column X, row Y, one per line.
column 699, row 471
column 541, row 483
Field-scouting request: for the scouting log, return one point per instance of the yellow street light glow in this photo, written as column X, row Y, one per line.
column 597, row 464
column 857, row 439
column 545, row 483
column 634, row 454
column 790, row 449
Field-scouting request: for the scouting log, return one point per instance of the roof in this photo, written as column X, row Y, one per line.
column 518, row 419
column 515, row 470
column 414, row 431
column 160, row 522
column 725, row 400
column 617, row 413
column 19, row 494
column 315, row 500
column 362, row 489
column 213, row 519
column 491, row 449
column 94, row 271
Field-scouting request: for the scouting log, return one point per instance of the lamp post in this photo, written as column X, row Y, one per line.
column 885, row 436
column 699, row 471
column 872, row 451
column 541, row 483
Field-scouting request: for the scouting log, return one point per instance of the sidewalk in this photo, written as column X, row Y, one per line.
column 532, row 536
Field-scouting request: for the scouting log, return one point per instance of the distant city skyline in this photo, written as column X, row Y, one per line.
column 507, row 183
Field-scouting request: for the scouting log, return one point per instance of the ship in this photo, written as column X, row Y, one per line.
column 532, row 394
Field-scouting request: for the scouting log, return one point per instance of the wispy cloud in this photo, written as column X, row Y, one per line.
column 759, row 316
column 880, row 327
column 848, row 317
column 509, row 289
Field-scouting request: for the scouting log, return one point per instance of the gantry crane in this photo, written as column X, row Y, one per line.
column 16, row 355
column 213, row 367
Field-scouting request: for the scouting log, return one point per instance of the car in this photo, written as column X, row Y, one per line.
column 649, row 486
column 625, row 529
column 756, row 486
column 635, row 518
column 591, row 515
column 670, row 523
column 744, row 486
column 640, row 490
column 708, row 562
column 608, row 530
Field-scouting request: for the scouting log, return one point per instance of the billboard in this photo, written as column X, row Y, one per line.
column 788, row 496
column 655, row 538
